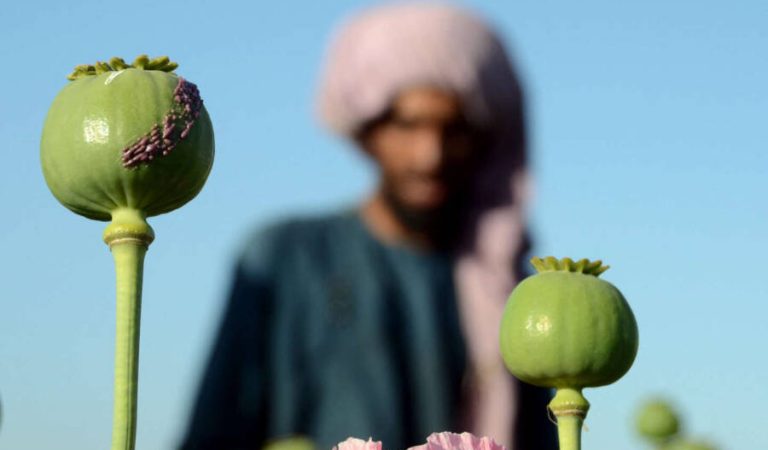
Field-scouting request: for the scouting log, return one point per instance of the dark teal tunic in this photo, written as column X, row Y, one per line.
column 328, row 334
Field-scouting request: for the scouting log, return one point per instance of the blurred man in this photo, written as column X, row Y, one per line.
column 382, row 320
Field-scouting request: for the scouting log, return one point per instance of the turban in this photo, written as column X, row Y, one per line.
column 385, row 50
column 379, row 53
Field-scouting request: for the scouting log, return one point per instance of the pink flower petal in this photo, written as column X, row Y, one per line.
column 452, row 441
column 358, row 444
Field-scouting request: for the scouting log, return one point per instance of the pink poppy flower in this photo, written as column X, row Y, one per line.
column 436, row 441
column 358, row 444
column 453, row 441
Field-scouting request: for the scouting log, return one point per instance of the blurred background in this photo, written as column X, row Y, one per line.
column 649, row 151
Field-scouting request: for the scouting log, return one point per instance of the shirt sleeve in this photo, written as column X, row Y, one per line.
column 230, row 409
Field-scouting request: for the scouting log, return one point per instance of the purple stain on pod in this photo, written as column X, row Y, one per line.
column 162, row 138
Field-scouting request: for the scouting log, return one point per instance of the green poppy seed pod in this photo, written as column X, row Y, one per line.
column 657, row 421
column 126, row 137
column 125, row 142
column 566, row 328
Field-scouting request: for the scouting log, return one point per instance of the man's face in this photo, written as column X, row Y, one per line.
column 425, row 150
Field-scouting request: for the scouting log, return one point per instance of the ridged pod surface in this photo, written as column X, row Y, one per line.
column 566, row 328
column 117, row 140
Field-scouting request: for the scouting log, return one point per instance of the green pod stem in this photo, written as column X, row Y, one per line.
column 128, row 237
column 569, row 432
column 570, row 408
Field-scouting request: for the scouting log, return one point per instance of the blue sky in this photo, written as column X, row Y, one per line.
column 649, row 151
